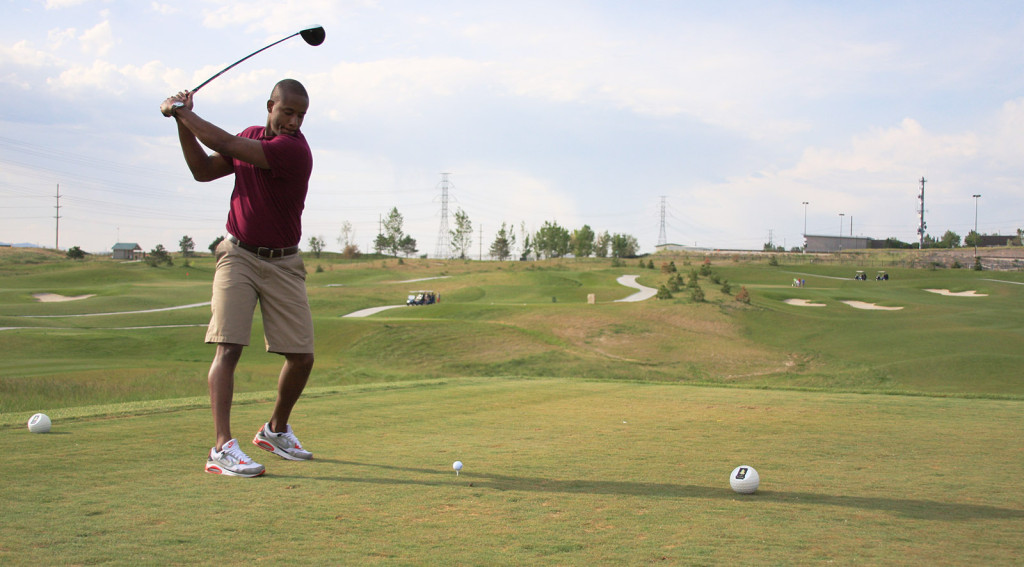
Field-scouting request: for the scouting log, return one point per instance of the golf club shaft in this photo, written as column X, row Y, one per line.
column 225, row 69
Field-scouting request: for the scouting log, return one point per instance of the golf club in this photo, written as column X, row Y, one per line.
column 313, row 35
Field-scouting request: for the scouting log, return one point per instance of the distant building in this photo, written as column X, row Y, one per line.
column 127, row 251
column 818, row 243
column 668, row 247
column 986, row 240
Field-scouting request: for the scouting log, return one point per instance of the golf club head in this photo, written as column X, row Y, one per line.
column 314, row 35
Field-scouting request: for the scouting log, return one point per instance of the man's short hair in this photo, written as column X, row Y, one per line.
column 290, row 86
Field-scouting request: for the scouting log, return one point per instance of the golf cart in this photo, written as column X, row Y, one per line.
column 861, row 276
column 423, row 297
column 882, row 276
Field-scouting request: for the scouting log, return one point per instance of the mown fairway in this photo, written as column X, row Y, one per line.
column 600, row 434
column 556, row 472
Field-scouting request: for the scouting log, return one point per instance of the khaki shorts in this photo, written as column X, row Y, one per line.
column 243, row 279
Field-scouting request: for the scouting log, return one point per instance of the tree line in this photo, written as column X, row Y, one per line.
column 550, row 241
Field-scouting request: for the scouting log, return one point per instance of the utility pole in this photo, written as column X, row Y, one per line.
column 976, row 235
column 920, row 216
column 805, row 203
column 662, row 238
column 56, row 243
column 841, row 215
column 444, row 243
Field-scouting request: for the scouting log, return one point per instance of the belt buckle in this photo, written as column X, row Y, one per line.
column 265, row 252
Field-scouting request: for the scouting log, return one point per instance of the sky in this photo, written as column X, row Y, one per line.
column 743, row 122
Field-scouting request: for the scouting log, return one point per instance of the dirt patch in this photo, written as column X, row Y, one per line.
column 54, row 297
column 968, row 293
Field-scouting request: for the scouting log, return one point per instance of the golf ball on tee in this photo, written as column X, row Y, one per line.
column 457, row 465
column 39, row 423
column 744, row 479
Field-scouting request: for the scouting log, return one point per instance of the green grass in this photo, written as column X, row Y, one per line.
column 556, row 472
column 592, row 434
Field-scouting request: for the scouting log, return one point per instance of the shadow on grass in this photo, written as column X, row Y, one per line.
column 911, row 508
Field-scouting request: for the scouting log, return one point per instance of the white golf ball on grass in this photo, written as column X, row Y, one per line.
column 457, row 465
column 744, row 479
column 39, row 423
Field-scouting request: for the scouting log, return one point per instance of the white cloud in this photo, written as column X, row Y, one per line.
column 164, row 9
column 59, row 4
column 98, row 40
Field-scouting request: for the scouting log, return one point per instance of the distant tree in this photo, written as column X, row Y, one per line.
column 461, row 235
column 501, row 248
column 972, row 239
column 186, row 245
column 624, row 246
column 216, row 242
column 693, row 280
column 726, row 287
column 393, row 234
column 601, row 244
column 348, row 235
column 159, row 255
column 949, row 240
column 407, row 245
column 75, row 253
column 582, row 242
column 552, row 241
column 380, row 244
column 897, row 243
column 316, row 245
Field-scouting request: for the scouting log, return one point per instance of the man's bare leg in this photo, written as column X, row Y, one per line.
column 222, row 388
column 291, row 383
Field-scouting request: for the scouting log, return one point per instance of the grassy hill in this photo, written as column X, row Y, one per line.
column 523, row 319
column 591, row 434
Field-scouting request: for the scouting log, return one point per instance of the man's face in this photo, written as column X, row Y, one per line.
column 286, row 114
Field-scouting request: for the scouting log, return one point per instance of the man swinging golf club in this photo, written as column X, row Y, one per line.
column 257, row 262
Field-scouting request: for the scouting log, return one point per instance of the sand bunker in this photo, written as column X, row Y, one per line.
column 870, row 306
column 803, row 303
column 969, row 293
column 53, row 297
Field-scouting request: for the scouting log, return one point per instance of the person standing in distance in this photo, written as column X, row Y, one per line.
column 257, row 262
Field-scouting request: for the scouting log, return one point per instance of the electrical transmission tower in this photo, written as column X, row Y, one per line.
column 920, row 217
column 444, row 242
column 662, row 239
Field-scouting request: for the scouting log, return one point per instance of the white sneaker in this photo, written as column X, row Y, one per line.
column 284, row 445
column 231, row 461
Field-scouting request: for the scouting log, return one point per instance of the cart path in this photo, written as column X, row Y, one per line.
column 644, row 293
column 371, row 311
column 189, row 306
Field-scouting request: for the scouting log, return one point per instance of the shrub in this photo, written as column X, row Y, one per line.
column 697, row 295
column 743, row 296
column 664, row 293
column 726, row 288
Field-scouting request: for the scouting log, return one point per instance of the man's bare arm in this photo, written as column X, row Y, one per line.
column 192, row 129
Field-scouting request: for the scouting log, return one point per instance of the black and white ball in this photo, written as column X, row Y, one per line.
column 39, row 423
column 744, row 479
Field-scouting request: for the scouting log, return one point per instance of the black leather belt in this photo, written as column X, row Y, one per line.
column 264, row 252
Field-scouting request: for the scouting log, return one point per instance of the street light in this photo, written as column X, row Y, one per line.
column 841, row 215
column 805, row 203
column 976, row 235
